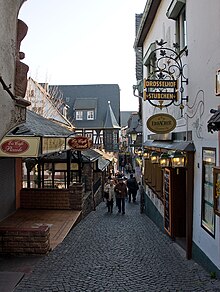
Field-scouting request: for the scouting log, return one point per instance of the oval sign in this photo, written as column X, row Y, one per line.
column 80, row 143
column 15, row 146
column 161, row 123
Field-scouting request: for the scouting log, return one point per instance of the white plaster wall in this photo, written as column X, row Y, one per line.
column 8, row 23
column 203, row 22
column 203, row 19
column 162, row 28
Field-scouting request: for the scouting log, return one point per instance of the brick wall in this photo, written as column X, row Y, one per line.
column 56, row 199
column 25, row 240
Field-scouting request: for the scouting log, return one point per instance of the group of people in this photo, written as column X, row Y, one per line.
column 118, row 189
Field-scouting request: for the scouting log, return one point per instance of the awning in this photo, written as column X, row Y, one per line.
column 214, row 121
column 187, row 146
column 102, row 163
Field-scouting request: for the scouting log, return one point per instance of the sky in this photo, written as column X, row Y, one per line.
column 76, row 42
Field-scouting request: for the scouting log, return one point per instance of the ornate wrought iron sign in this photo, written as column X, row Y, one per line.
column 165, row 84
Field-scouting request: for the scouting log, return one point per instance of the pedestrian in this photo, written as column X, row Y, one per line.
column 132, row 188
column 110, row 197
column 121, row 194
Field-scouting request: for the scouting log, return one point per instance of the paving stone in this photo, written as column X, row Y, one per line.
column 111, row 252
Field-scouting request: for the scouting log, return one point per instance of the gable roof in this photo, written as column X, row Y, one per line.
column 125, row 115
column 36, row 125
column 48, row 104
column 87, row 103
column 86, row 95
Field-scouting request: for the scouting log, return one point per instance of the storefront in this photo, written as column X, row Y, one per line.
column 168, row 171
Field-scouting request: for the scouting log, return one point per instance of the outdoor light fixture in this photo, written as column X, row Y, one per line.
column 164, row 160
column 146, row 154
column 178, row 159
column 134, row 135
column 139, row 152
column 154, row 157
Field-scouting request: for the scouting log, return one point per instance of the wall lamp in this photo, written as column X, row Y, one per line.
column 133, row 135
column 154, row 157
column 146, row 154
column 178, row 159
column 165, row 160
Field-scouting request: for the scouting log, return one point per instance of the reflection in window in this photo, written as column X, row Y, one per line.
column 208, row 217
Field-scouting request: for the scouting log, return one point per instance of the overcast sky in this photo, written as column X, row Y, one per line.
column 74, row 42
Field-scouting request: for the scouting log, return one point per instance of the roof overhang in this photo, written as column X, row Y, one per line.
column 214, row 121
column 149, row 13
column 187, row 146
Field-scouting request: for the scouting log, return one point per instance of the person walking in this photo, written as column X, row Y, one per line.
column 121, row 194
column 109, row 190
column 132, row 188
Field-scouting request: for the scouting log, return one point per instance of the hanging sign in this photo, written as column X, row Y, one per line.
column 19, row 147
column 160, row 89
column 161, row 123
column 80, row 143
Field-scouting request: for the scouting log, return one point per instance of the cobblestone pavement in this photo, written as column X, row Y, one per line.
column 114, row 252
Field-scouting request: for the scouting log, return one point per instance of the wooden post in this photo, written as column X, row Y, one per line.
column 189, row 203
column 80, row 165
column 68, row 167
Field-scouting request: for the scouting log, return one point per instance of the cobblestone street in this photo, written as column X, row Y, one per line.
column 114, row 252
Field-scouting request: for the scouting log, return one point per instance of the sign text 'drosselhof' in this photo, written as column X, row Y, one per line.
column 160, row 89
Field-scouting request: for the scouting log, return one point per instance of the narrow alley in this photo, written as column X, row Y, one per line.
column 114, row 252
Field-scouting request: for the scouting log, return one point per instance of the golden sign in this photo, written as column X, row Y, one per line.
column 161, row 123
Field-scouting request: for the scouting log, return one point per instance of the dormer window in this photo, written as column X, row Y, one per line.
column 90, row 115
column 79, row 115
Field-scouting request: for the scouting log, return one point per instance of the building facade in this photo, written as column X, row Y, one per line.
column 179, row 94
column 13, row 78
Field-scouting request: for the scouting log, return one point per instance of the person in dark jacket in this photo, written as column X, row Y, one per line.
column 121, row 194
column 132, row 188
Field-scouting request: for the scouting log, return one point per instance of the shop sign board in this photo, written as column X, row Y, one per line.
column 161, row 123
column 80, row 143
column 160, row 89
column 19, row 147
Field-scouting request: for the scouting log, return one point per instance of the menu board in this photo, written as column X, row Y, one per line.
column 167, row 201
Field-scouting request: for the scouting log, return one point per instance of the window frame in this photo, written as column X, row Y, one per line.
column 207, row 204
column 79, row 115
column 92, row 112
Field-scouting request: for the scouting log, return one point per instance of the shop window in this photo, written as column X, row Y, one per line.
column 208, row 215
column 153, row 177
column 216, row 193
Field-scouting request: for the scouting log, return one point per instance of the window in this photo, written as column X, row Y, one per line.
column 177, row 12
column 181, row 29
column 149, row 60
column 79, row 115
column 90, row 115
column 208, row 217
